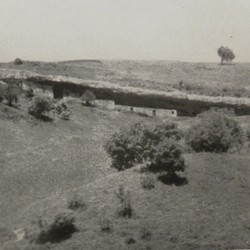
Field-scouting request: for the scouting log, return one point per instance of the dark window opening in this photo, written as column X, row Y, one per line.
column 131, row 109
column 58, row 91
column 154, row 112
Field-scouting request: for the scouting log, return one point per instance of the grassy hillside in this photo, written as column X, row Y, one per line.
column 44, row 164
column 40, row 158
column 201, row 78
column 210, row 212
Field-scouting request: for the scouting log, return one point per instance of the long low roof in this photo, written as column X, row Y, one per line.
column 29, row 75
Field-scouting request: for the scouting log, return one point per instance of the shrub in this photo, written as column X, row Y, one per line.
column 145, row 233
column 75, row 202
column 65, row 115
column 88, row 98
column 10, row 93
column 54, row 230
column 125, row 210
column 130, row 240
column 60, row 107
column 167, row 158
column 147, row 181
column 215, row 132
column 136, row 144
column 63, row 111
column 18, row 61
column 39, row 106
column 29, row 93
column 106, row 225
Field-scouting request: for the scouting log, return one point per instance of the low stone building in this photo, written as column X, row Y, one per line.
column 105, row 104
column 224, row 110
column 148, row 111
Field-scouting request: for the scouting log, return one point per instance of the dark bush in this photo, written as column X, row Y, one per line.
column 136, row 144
column 63, row 111
column 167, row 158
column 54, row 230
column 215, row 132
column 40, row 106
column 130, row 240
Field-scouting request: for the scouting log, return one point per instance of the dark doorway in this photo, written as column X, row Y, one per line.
column 154, row 112
column 58, row 91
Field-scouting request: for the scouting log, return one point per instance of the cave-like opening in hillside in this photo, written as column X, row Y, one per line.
column 58, row 91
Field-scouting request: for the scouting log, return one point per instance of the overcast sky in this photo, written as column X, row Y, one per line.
column 185, row 30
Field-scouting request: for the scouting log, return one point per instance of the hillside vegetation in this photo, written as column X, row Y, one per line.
column 44, row 165
column 38, row 158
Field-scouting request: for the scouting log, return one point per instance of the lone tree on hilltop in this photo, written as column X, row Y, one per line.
column 226, row 54
column 18, row 61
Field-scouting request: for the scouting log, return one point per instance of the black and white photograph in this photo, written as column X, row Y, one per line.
column 125, row 125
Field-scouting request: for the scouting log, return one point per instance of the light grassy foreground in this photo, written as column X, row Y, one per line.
column 44, row 164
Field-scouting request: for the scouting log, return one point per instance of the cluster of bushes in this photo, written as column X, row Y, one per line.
column 61, row 225
column 41, row 106
column 156, row 146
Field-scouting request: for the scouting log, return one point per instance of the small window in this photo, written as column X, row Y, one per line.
column 173, row 112
column 131, row 109
column 154, row 112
